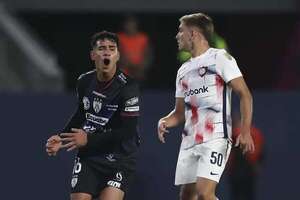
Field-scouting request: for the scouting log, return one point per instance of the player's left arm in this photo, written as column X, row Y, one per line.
column 228, row 69
column 244, row 140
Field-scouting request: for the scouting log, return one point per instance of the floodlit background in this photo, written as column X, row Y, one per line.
column 44, row 47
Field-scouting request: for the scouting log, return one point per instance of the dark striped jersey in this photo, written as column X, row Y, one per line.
column 108, row 112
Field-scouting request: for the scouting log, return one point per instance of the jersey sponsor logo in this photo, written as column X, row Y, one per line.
column 98, row 120
column 112, row 107
column 97, row 104
column 89, row 128
column 110, row 157
column 114, row 184
column 191, row 92
column 132, row 109
column 213, row 174
column 99, row 94
column 132, row 101
column 119, row 176
column 86, row 103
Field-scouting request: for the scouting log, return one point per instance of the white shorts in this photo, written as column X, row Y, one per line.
column 205, row 160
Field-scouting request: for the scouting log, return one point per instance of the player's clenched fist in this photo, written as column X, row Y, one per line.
column 161, row 130
column 53, row 145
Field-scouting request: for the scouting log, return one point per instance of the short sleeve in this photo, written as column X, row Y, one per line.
column 227, row 67
column 179, row 87
column 130, row 104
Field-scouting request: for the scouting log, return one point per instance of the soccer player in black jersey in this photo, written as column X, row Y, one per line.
column 104, row 127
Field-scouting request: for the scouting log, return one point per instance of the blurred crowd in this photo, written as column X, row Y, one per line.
column 269, row 59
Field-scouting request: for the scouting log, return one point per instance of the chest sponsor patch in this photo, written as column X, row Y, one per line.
column 96, row 119
column 200, row 90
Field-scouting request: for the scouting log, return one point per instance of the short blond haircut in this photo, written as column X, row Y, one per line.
column 203, row 22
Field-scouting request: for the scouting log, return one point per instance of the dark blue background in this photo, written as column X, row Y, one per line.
column 28, row 173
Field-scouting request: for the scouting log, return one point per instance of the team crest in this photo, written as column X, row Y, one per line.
column 202, row 71
column 97, row 104
column 74, row 182
column 86, row 103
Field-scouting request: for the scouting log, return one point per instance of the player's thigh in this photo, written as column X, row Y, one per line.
column 85, row 179
column 213, row 157
column 81, row 196
column 111, row 193
column 188, row 192
column 186, row 168
column 206, row 187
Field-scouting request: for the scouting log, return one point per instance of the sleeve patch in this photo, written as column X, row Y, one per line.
column 132, row 101
column 132, row 109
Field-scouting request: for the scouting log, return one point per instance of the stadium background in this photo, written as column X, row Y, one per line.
column 262, row 36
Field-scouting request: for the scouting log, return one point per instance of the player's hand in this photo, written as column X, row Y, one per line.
column 53, row 145
column 245, row 142
column 161, row 130
column 76, row 139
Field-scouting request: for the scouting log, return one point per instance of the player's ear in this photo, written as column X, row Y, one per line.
column 193, row 33
column 118, row 56
column 92, row 55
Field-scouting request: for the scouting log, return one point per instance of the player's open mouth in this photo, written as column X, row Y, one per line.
column 106, row 61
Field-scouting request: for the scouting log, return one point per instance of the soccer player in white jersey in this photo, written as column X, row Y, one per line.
column 203, row 102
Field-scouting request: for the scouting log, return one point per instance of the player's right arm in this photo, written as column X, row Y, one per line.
column 54, row 143
column 78, row 117
column 174, row 118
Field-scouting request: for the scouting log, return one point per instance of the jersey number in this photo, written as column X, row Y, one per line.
column 216, row 158
column 77, row 167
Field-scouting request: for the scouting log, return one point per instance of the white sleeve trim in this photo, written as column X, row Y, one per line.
column 179, row 89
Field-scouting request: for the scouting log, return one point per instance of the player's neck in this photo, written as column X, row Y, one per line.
column 199, row 49
column 104, row 76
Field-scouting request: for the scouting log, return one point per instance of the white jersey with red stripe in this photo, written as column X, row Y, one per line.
column 203, row 83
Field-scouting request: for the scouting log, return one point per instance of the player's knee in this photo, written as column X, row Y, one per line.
column 187, row 193
column 110, row 193
column 206, row 195
column 81, row 196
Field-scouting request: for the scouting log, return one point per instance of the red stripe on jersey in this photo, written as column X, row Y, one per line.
column 194, row 108
column 219, row 84
column 199, row 138
column 209, row 126
column 132, row 114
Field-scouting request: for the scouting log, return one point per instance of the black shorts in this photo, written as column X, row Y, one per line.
column 92, row 179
